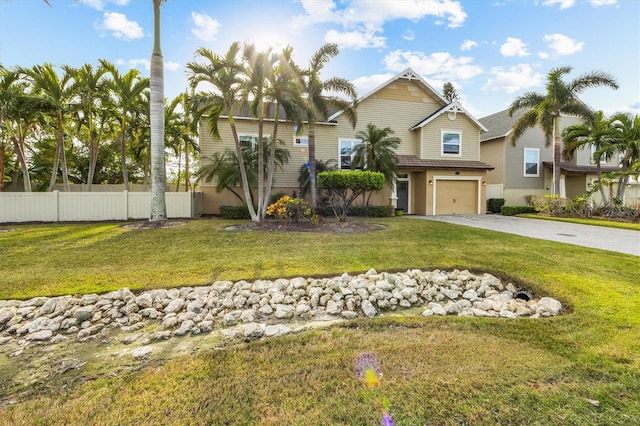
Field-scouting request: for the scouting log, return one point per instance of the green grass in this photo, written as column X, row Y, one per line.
column 437, row 371
column 634, row 226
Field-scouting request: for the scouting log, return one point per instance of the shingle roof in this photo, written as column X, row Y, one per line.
column 498, row 124
column 413, row 162
column 579, row 168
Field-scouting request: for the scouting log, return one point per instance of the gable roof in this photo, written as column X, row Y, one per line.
column 407, row 74
column 454, row 108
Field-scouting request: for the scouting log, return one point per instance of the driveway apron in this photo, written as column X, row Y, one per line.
column 599, row 237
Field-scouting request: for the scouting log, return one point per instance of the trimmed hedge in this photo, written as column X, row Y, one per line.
column 354, row 180
column 234, row 212
column 514, row 210
column 494, row 205
column 361, row 211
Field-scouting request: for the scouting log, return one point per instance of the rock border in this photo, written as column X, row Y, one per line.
column 262, row 306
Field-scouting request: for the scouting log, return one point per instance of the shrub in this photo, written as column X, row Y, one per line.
column 290, row 209
column 234, row 212
column 549, row 204
column 344, row 186
column 514, row 210
column 494, row 205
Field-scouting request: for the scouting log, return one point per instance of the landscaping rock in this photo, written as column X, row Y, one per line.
column 194, row 309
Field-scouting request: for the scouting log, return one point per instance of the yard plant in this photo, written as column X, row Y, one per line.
column 582, row 367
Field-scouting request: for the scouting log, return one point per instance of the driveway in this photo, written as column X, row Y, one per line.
column 599, row 237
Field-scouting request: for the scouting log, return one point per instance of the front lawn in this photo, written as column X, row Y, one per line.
column 579, row 368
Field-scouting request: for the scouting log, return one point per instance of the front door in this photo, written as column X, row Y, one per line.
column 402, row 192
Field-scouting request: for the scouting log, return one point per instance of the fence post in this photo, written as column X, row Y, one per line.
column 56, row 206
column 126, row 204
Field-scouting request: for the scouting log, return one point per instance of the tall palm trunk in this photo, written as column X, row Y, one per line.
column 603, row 193
column 261, row 196
column 2, row 165
column 123, row 153
column 93, row 159
column 312, row 164
column 18, row 144
column 187, row 184
column 272, row 163
column 243, row 171
column 158, row 172
column 179, row 170
column 60, row 157
column 557, row 153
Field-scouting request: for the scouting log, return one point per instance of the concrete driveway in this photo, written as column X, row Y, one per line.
column 600, row 237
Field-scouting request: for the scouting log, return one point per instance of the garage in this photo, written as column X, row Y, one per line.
column 456, row 196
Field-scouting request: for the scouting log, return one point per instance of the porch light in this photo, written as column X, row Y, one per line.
column 430, row 182
column 484, row 183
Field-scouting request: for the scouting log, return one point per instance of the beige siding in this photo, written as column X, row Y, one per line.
column 400, row 105
column 432, row 138
column 492, row 153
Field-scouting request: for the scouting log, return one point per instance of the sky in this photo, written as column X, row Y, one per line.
column 491, row 50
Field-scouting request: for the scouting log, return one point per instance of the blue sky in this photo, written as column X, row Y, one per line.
column 492, row 51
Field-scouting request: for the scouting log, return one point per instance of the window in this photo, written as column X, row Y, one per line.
column 531, row 162
column 300, row 141
column 248, row 141
column 346, row 151
column 451, row 143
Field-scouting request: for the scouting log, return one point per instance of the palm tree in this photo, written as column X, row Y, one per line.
column 318, row 103
column 626, row 142
column 56, row 94
column 127, row 90
column 304, row 179
column 158, row 171
column 177, row 134
column 225, row 168
column 544, row 110
column 596, row 133
column 225, row 74
column 89, row 84
column 377, row 152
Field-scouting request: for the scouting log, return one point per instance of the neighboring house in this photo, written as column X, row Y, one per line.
column 526, row 169
column 440, row 171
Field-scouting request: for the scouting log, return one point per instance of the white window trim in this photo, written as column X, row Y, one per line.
column 254, row 137
column 300, row 138
column 524, row 162
column 353, row 142
column 457, row 132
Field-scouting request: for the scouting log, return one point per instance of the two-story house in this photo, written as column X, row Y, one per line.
column 439, row 167
column 526, row 168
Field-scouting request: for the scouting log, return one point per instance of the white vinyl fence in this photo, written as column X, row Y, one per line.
column 59, row 206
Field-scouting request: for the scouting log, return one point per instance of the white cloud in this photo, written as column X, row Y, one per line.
column 364, row 85
column 468, row 45
column 562, row 45
column 205, row 27
column 564, row 4
column 171, row 66
column 140, row 63
column 409, row 35
column 514, row 47
column 100, row 4
column 355, row 39
column 362, row 20
column 120, row 26
column 603, row 2
column 438, row 65
column 512, row 79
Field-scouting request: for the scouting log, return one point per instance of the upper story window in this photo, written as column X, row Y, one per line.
column 532, row 162
column 452, row 143
column 300, row 140
column 347, row 147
